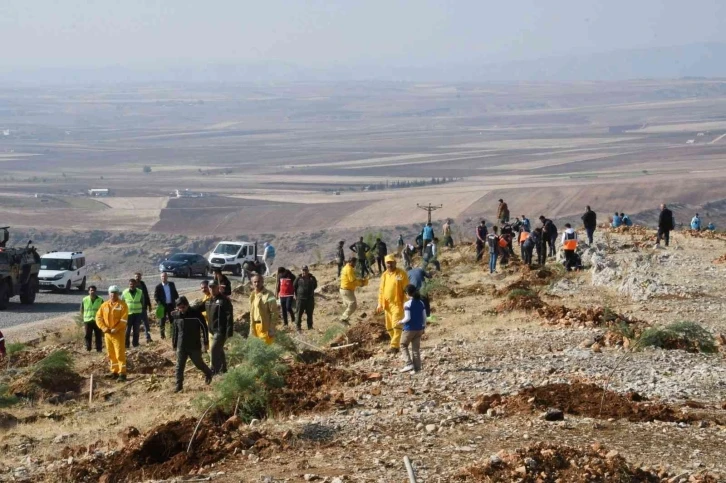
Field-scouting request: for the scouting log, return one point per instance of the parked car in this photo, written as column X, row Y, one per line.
column 185, row 265
column 62, row 271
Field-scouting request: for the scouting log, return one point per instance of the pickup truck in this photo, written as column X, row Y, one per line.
column 231, row 256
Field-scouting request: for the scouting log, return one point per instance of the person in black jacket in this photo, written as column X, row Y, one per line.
column 189, row 333
column 589, row 220
column 549, row 234
column 305, row 286
column 381, row 252
column 165, row 294
column 146, row 305
column 340, row 256
column 665, row 225
column 223, row 281
column 361, row 250
column 221, row 325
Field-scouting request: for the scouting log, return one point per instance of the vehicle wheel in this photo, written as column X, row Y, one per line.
column 68, row 287
column 206, row 273
column 189, row 272
column 82, row 286
column 4, row 295
column 238, row 270
column 28, row 291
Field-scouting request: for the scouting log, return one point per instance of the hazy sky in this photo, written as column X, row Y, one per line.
column 50, row 33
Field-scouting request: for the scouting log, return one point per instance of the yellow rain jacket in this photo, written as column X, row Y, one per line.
column 348, row 279
column 391, row 296
column 263, row 315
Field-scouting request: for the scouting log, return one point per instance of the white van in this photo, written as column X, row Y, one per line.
column 63, row 270
column 232, row 255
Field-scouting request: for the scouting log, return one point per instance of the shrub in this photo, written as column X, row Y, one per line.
column 259, row 370
column 146, row 169
column 6, row 398
column 521, row 292
column 332, row 333
column 55, row 362
column 434, row 286
column 687, row 336
column 15, row 347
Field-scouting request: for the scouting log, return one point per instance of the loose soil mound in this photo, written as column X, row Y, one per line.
column 147, row 362
column 582, row 400
column 313, row 387
column 27, row 357
column 539, row 276
column 161, row 453
column 617, row 324
column 44, row 384
column 550, row 463
column 721, row 259
column 366, row 333
column 521, row 299
column 707, row 234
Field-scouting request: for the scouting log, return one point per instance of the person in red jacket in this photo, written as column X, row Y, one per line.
column 284, row 292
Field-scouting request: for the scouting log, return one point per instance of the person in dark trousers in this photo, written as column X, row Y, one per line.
column 507, row 232
column 569, row 246
column 361, row 249
column 305, row 286
column 135, row 302
column 589, row 220
column 285, row 293
column 189, row 334
column 419, row 244
column 221, row 325
column 481, row 239
column 340, row 256
column 539, row 245
column 165, row 295
column 89, row 307
column 549, row 235
column 400, row 244
column 666, row 223
column 225, row 286
column 528, row 241
column 146, row 308
column 381, row 252
column 493, row 244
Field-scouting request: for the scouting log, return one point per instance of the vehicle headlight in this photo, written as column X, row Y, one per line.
column 57, row 277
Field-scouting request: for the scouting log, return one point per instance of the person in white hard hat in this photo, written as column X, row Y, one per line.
column 111, row 318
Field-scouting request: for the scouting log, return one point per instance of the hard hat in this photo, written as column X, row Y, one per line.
column 114, row 289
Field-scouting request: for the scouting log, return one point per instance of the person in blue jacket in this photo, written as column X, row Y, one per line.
column 696, row 223
column 617, row 221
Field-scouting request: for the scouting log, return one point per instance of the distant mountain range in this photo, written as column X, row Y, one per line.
column 695, row 60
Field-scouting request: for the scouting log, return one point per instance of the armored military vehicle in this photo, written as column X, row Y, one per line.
column 19, row 269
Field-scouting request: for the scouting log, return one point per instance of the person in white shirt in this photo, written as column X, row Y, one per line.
column 569, row 246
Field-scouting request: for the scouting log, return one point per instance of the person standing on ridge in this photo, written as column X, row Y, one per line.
column 134, row 299
column 348, row 283
column 189, row 334
column 381, row 252
column 221, row 325
column 481, row 239
column 165, row 295
column 285, row 293
column 428, row 234
column 147, row 305
column 399, row 245
column 493, row 244
column 340, row 256
column 391, row 299
column 448, row 239
column 111, row 318
column 268, row 256
column 89, row 309
column 589, row 220
column 666, row 223
column 502, row 212
column 526, row 224
column 263, row 311
column 305, row 286
column 361, row 249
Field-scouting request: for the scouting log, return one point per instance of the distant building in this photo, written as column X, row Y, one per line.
column 691, row 141
column 188, row 194
column 99, row 192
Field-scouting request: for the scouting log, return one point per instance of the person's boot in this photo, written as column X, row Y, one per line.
column 208, row 379
column 178, row 388
column 113, row 376
column 122, row 378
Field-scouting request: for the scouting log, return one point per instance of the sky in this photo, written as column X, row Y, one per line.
column 96, row 33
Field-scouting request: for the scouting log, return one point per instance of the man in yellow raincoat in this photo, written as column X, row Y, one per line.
column 111, row 318
column 263, row 311
column 391, row 297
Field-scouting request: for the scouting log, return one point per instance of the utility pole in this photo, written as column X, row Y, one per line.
column 429, row 208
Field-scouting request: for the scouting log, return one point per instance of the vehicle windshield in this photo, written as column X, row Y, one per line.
column 180, row 257
column 55, row 264
column 227, row 249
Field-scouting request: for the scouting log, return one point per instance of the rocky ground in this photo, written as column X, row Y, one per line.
column 529, row 375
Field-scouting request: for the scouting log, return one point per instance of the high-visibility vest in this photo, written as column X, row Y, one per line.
column 523, row 236
column 135, row 303
column 90, row 307
column 570, row 243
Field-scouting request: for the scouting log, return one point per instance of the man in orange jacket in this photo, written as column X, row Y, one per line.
column 111, row 318
column 391, row 297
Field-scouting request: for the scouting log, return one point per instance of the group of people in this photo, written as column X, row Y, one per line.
column 205, row 325
column 696, row 224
